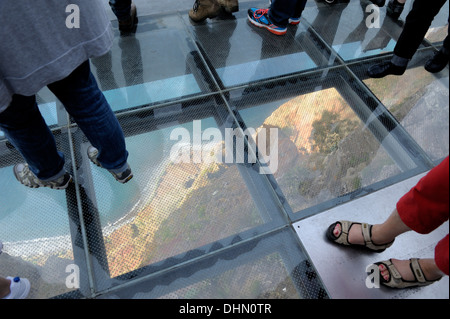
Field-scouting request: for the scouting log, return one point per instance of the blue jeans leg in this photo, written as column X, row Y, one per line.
column 26, row 129
column 121, row 8
column 281, row 10
column 86, row 104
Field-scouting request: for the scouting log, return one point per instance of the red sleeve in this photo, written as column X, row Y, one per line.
column 426, row 206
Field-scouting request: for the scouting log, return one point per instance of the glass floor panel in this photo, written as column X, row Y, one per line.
column 182, row 201
column 326, row 145
column 421, row 109
column 261, row 56
column 35, row 230
column 235, row 135
column 346, row 29
column 273, row 267
column 139, row 69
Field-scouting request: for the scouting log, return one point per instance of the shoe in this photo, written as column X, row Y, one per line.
column 381, row 70
column 230, row 6
column 438, row 62
column 396, row 280
column 294, row 21
column 121, row 177
column 204, row 9
column 394, row 9
column 26, row 177
column 366, row 230
column 379, row 3
column 260, row 18
column 128, row 25
column 20, row 288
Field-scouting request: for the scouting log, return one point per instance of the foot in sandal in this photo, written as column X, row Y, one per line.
column 358, row 234
column 415, row 272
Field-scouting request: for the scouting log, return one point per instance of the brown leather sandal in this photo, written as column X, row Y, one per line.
column 366, row 230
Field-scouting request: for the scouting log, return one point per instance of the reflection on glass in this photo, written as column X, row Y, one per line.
column 240, row 56
column 353, row 31
column 420, row 103
column 137, row 72
column 437, row 34
column 325, row 150
column 262, row 278
column 169, row 208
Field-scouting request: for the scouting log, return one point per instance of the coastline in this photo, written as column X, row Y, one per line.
column 56, row 244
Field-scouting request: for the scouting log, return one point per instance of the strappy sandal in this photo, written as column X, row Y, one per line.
column 396, row 280
column 366, row 230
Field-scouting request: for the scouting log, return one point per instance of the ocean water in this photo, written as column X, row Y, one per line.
column 32, row 214
column 27, row 214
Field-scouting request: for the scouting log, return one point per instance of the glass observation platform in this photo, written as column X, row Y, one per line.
column 245, row 147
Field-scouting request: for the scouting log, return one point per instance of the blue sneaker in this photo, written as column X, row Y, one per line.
column 260, row 18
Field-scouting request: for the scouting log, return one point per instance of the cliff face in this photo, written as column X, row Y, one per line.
column 321, row 151
column 308, row 117
column 324, row 151
column 194, row 205
column 323, row 148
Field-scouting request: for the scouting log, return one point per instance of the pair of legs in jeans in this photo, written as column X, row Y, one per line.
column 278, row 16
column 26, row 129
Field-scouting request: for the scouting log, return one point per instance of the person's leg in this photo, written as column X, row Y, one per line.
column 424, row 208
column 440, row 59
column 26, row 129
column 417, row 23
column 281, row 10
column 126, row 14
column 441, row 255
column 299, row 7
column 84, row 101
column 382, row 233
column 276, row 18
column 427, row 266
column 121, row 8
column 416, row 26
column 4, row 287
